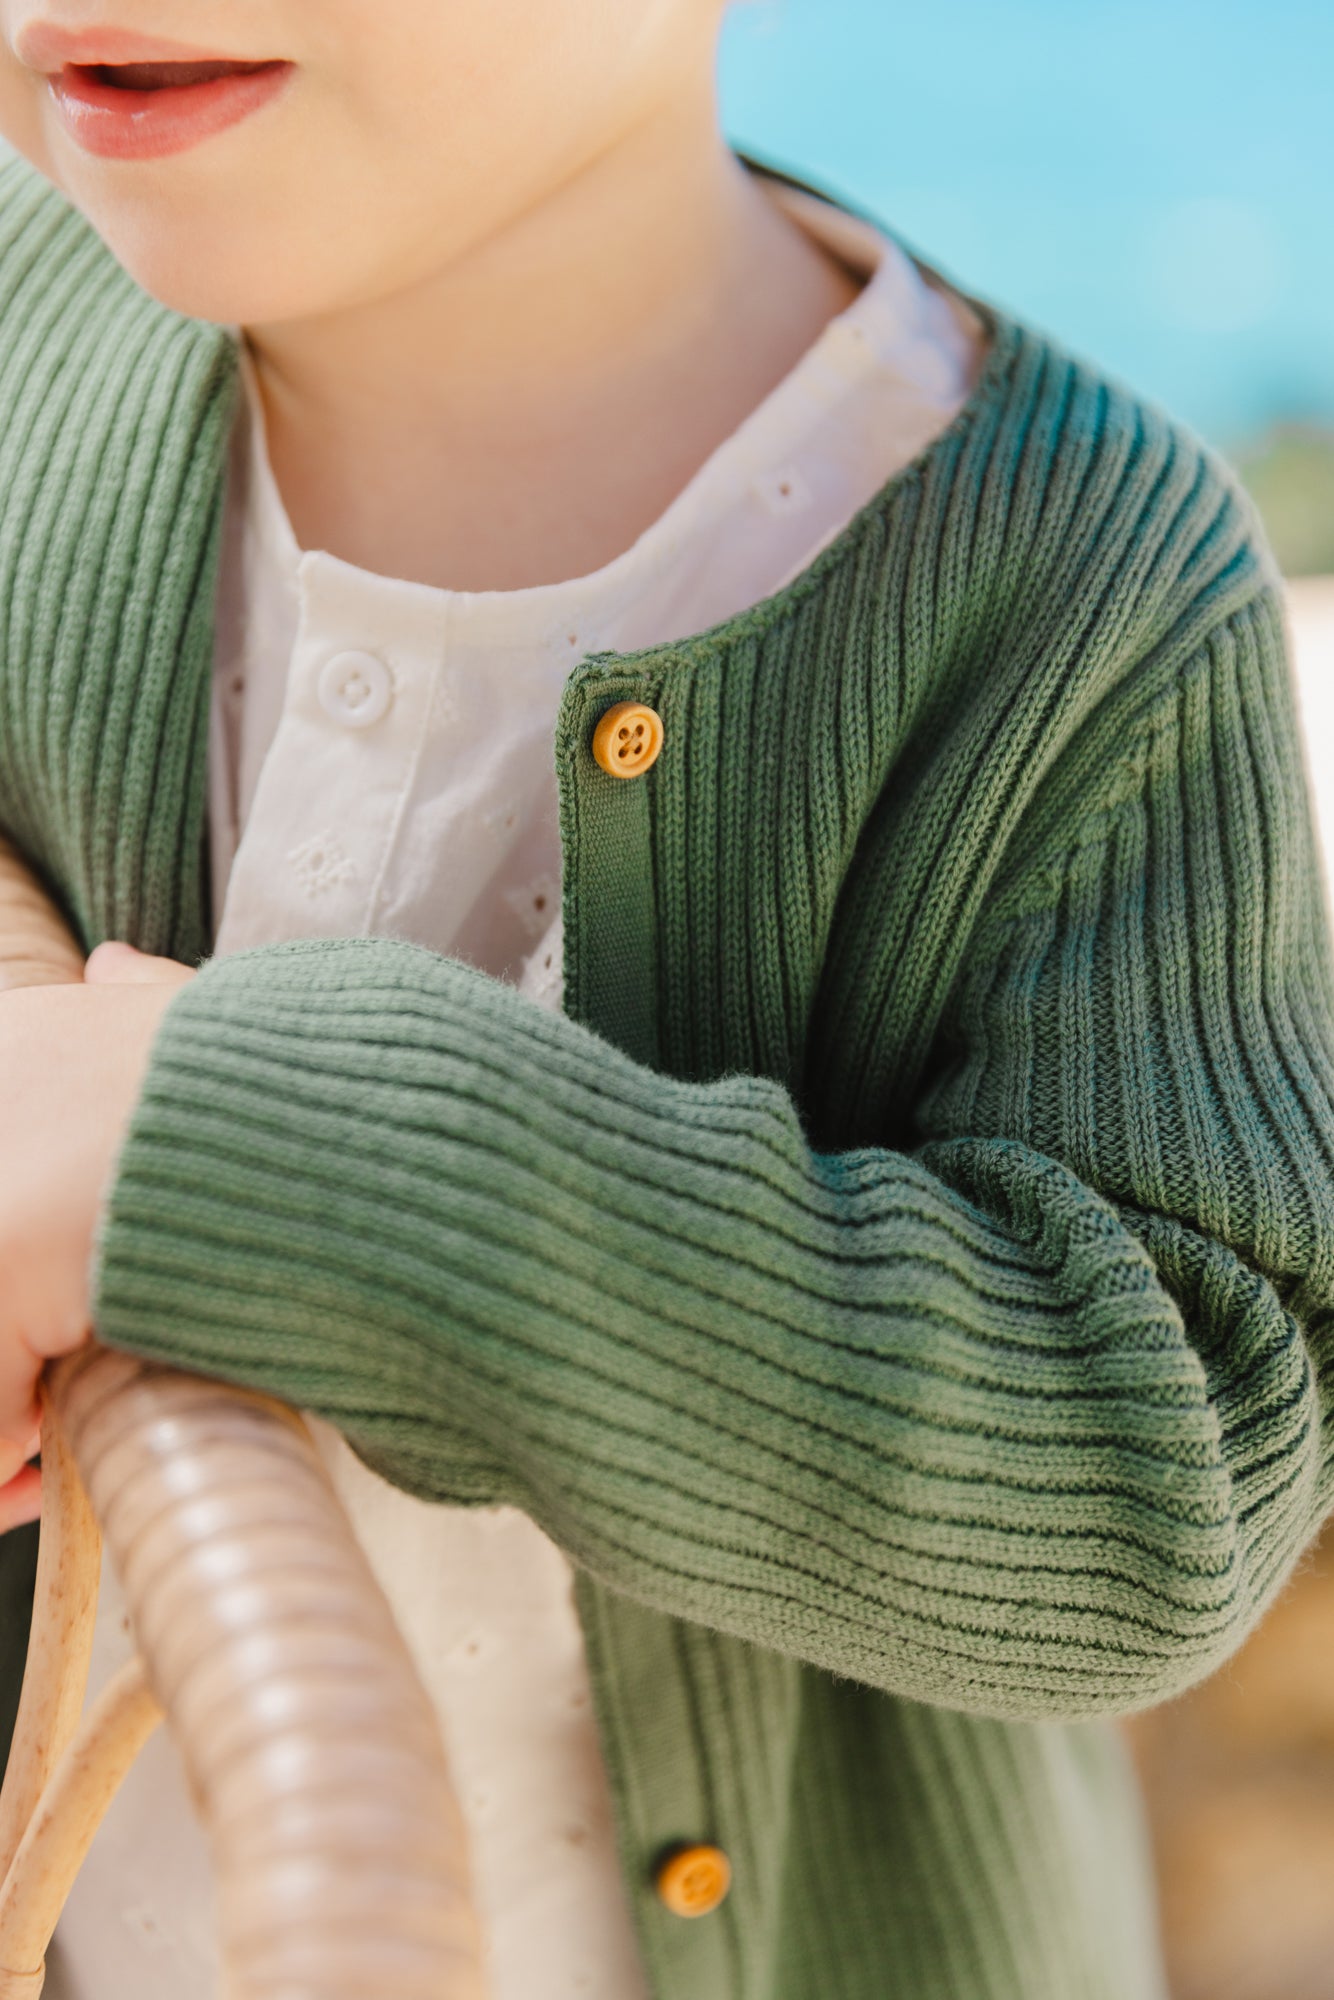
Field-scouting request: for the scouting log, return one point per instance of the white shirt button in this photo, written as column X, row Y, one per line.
column 355, row 689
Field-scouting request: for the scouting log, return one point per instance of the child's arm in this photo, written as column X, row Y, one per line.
column 1031, row 1419
column 37, row 948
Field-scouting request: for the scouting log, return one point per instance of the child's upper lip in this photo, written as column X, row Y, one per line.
column 41, row 45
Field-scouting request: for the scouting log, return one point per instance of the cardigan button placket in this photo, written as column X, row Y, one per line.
column 609, row 966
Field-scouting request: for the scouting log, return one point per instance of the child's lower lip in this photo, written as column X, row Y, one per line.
column 121, row 124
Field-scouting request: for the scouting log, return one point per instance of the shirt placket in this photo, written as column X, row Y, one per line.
column 337, row 776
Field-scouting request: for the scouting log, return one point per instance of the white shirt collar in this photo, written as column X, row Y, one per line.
column 899, row 329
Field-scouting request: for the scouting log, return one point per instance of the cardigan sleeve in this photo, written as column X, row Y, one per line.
column 1032, row 1419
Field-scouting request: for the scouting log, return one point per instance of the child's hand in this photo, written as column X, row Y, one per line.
column 21, row 1495
column 72, row 1060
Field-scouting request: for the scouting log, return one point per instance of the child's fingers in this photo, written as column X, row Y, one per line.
column 20, row 1483
column 21, row 1499
column 13, row 1457
column 116, row 963
column 20, row 1411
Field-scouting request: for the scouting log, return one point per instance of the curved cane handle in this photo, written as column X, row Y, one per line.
column 311, row 1749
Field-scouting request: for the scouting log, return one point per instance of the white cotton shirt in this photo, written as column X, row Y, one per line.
column 381, row 763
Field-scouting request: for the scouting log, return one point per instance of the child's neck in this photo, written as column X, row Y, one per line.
column 523, row 415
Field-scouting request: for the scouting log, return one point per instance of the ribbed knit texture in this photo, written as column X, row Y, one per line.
column 904, row 1281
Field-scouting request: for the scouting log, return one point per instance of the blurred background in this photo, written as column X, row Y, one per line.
column 1153, row 182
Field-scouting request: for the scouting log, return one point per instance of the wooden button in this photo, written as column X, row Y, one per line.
column 694, row 1880
column 628, row 738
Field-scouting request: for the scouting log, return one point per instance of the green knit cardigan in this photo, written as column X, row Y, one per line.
column 902, row 1280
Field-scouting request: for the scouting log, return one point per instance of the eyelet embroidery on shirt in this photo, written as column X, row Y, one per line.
column 468, row 1651
column 543, row 980
column 502, row 818
column 784, row 491
column 321, row 864
column 444, row 702
column 140, row 1919
column 533, row 903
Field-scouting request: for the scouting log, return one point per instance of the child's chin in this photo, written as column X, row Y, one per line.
column 199, row 276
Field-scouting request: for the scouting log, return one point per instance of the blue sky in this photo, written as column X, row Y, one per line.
column 1151, row 180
